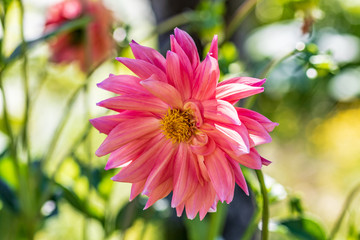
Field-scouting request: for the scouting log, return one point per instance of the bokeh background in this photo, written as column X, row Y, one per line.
column 52, row 186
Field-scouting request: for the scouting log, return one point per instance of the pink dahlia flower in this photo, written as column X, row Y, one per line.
column 177, row 129
column 72, row 46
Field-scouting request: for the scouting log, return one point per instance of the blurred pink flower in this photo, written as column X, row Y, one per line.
column 177, row 128
column 72, row 46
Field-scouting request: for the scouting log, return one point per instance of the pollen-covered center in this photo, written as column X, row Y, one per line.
column 178, row 125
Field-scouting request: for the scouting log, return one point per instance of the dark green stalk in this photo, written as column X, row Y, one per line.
column 240, row 14
column 25, row 140
column 265, row 207
column 62, row 123
column 346, row 206
column 217, row 221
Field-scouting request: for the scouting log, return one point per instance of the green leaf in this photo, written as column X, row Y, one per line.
column 296, row 205
column 68, row 26
column 305, row 228
column 8, row 196
column 127, row 215
column 79, row 204
column 196, row 229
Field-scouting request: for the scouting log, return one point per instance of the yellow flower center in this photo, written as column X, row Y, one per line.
column 178, row 125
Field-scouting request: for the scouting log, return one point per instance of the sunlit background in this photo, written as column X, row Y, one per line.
column 309, row 51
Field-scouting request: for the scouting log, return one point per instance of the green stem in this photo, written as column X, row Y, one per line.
column 62, row 123
column 175, row 21
column 265, row 207
column 249, row 232
column 346, row 206
column 171, row 23
column 25, row 140
column 240, row 14
column 217, row 221
column 269, row 67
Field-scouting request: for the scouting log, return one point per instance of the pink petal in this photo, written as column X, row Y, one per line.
column 267, row 124
column 185, row 179
column 200, row 168
column 239, row 177
column 220, row 173
column 188, row 45
column 135, row 102
column 206, row 78
column 255, row 82
column 128, row 131
column 106, row 123
column 163, row 91
column 233, row 92
column 201, row 200
column 201, row 144
column 180, row 209
column 214, row 47
column 220, row 111
column 257, row 132
column 264, row 161
column 207, row 203
column 251, row 160
column 176, row 76
column 136, row 189
column 143, row 69
column 126, row 153
column 159, row 192
column 162, row 169
column 140, row 168
column 148, row 54
column 194, row 107
column 187, row 69
column 122, row 84
column 233, row 138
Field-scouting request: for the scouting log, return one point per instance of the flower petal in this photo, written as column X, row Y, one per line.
column 264, row 161
column 187, row 69
column 143, row 69
column 180, row 209
column 220, row 173
column 194, row 107
column 148, row 54
column 233, row 92
column 106, row 123
column 257, row 133
column 202, row 198
column 140, row 168
column 122, row 84
column 126, row 132
column 251, row 160
column 233, row 138
column 206, row 78
column 126, row 153
column 162, row 169
column 135, row 102
column 159, row 192
column 220, row 111
column 188, row 45
column 163, row 91
column 176, row 76
column 214, row 47
column 267, row 124
column 255, row 82
column 201, row 144
column 185, row 179
column 239, row 176
column 136, row 189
